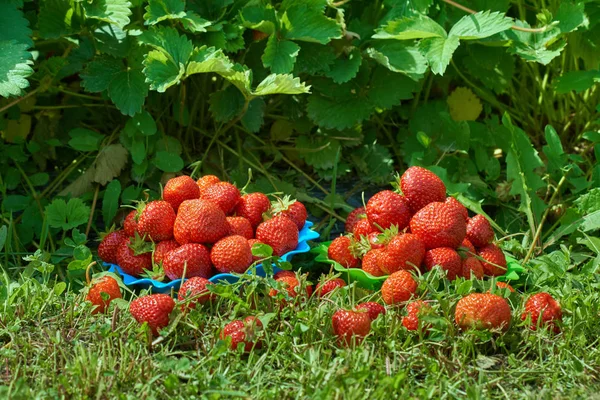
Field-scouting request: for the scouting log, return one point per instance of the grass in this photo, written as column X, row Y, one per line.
column 52, row 347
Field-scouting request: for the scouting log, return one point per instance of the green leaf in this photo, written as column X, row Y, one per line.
column 318, row 151
column 128, row 91
column 578, row 81
column 15, row 67
column 282, row 84
column 338, row 106
column 65, row 216
column 3, row 235
column 115, row 12
column 314, row 58
column 14, row 25
column 380, row 93
column 168, row 162
column 84, row 139
column 259, row 17
column 589, row 202
column 161, row 72
column 570, row 16
column 144, row 123
column 591, row 222
column 491, row 65
column 100, row 73
column 110, row 201
column 39, row 179
column 208, row 59
column 480, row 25
column 169, row 41
column 114, row 41
column 226, row 104
column 417, row 27
column 538, row 47
column 280, row 55
column 438, row 52
column 55, row 18
column 557, row 159
column 398, row 57
column 138, row 151
column 194, row 23
column 160, row 10
column 15, row 202
column 374, row 162
column 346, row 67
column 254, row 117
column 307, row 23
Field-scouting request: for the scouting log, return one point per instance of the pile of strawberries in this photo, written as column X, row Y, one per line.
column 201, row 228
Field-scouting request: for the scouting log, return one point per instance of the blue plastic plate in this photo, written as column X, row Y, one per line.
column 305, row 235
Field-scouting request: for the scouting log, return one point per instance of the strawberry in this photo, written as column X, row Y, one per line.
column 375, row 240
column 329, row 286
column 451, row 201
column 421, row 187
column 231, row 254
column 240, row 226
column 190, row 259
column 280, row 233
column 479, row 231
column 439, row 225
column 340, row 250
column 292, row 209
column 252, row 206
column 364, row 227
column 404, row 251
column 369, row 262
column 543, row 310
column 153, row 309
column 398, row 287
column 200, row 221
column 494, row 262
column 206, row 181
column 351, row 326
column 504, row 285
column 245, row 332
column 134, row 256
column 282, row 273
column 414, row 309
column 223, row 194
column 107, row 285
column 482, row 311
column 162, row 248
column 471, row 265
column 468, row 246
column 290, row 283
column 388, row 208
column 355, row 215
column 130, row 223
column 195, row 288
column 179, row 189
column 156, row 221
column 372, row 308
column 107, row 250
column 446, row 258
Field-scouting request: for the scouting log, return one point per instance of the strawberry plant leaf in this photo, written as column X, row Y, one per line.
column 15, row 68
column 398, row 57
column 283, row 84
column 345, row 68
column 314, row 58
column 480, row 25
column 438, row 52
column 161, row 72
column 55, row 18
column 194, row 23
column 112, row 40
column 554, row 151
column 160, row 10
column 84, row 139
column 115, row 12
column 280, row 55
column 65, row 216
column 128, row 91
column 381, row 96
column 110, row 162
column 13, row 25
column 226, row 104
column 493, row 66
column 374, row 161
column 591, row 222
column 589, row 202
column 259, row 17
column 253, row 119
column 570, row 16
column 578, row 81
column 208, row 59
column 309, row 24
column 168, row 162
column 320, row 151
column 417, row 27
column 110, row 201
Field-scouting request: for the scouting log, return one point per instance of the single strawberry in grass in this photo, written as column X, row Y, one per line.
column 231, row 254
column 179, row 189
column 246, row 332
column 101, row 292
column 504, row 285
column 291, row 284
column 189, row 260
column 421, row 187
column 162, row 248
column 492, row 260
column 388, row 208
column 292, row 209
column 134, row 256
column 467, row 247
column 130, row 223
column 340, row 250
column 355, row 215
column 398, row 287
column 223, row 194
column 282, row 273
column 329, row 286
column 451, row 201
column 479, row 231
column 107, row 249
column 364, row 228
column 414, row 310
column 156, row 221
column 369, row 262
column 153, row 309
column 281, row 233
column 446, row 258
column 471, row 265
column 404, row 251
column 252, row 206
column 200, row 221
column 351, row 326
column 205, row 182
column 240, row 226
column 482, row 311
column 439, row 225
column 195, row 290
column 542, row 309
column 373, row 309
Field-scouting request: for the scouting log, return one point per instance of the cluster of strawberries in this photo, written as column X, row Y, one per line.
column 199, row 228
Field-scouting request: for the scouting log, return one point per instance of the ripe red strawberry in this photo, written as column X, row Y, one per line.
column 372, row 308
column 451, row 201
column 240, row 226
column 479, row 231
column 329, row 286
column 153, row 309
column 162, row 248
column 195, row 288
column 280, row 233
column 252, row 206
column 245, row 332
column 282, row 273
column 340, row 250
column 404, row 251
column 413, row 310
column 504, row 285
column 375, row 240
column 494, row 261
column 107, row 250
column 290, row 283
column 179, row 189
column 156, row 221
column 544, row 310
column 388, row 208
column 398, row 287
column 191, row 259
column 351, row 326
column 206, row 181
column 292, row 209
column 471, row 265
column 130, row 223
column 468, row 246
column 364, row 228
column 355, row 215
column 133, row 257
column 439, row 225
column 369, row 262
column 223, row 194
column 231, row 254
column 482, row 311
column 446, row 258
column 200, row 221
column 105, row 284
column 421, row 187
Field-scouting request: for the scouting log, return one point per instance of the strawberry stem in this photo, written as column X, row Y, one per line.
column 87, row 272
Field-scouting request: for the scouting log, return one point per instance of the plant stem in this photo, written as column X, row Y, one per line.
column 16, row 101
column 89, row 225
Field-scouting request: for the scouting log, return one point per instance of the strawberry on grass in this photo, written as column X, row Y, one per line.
column 398, row 287
column 482, row 311
column 351, row 326
column 542, row 309
column 246, row 332
column 323, row 289
column 193, row 292
column 153, row 309
column 439, row 225
column 101, row 291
